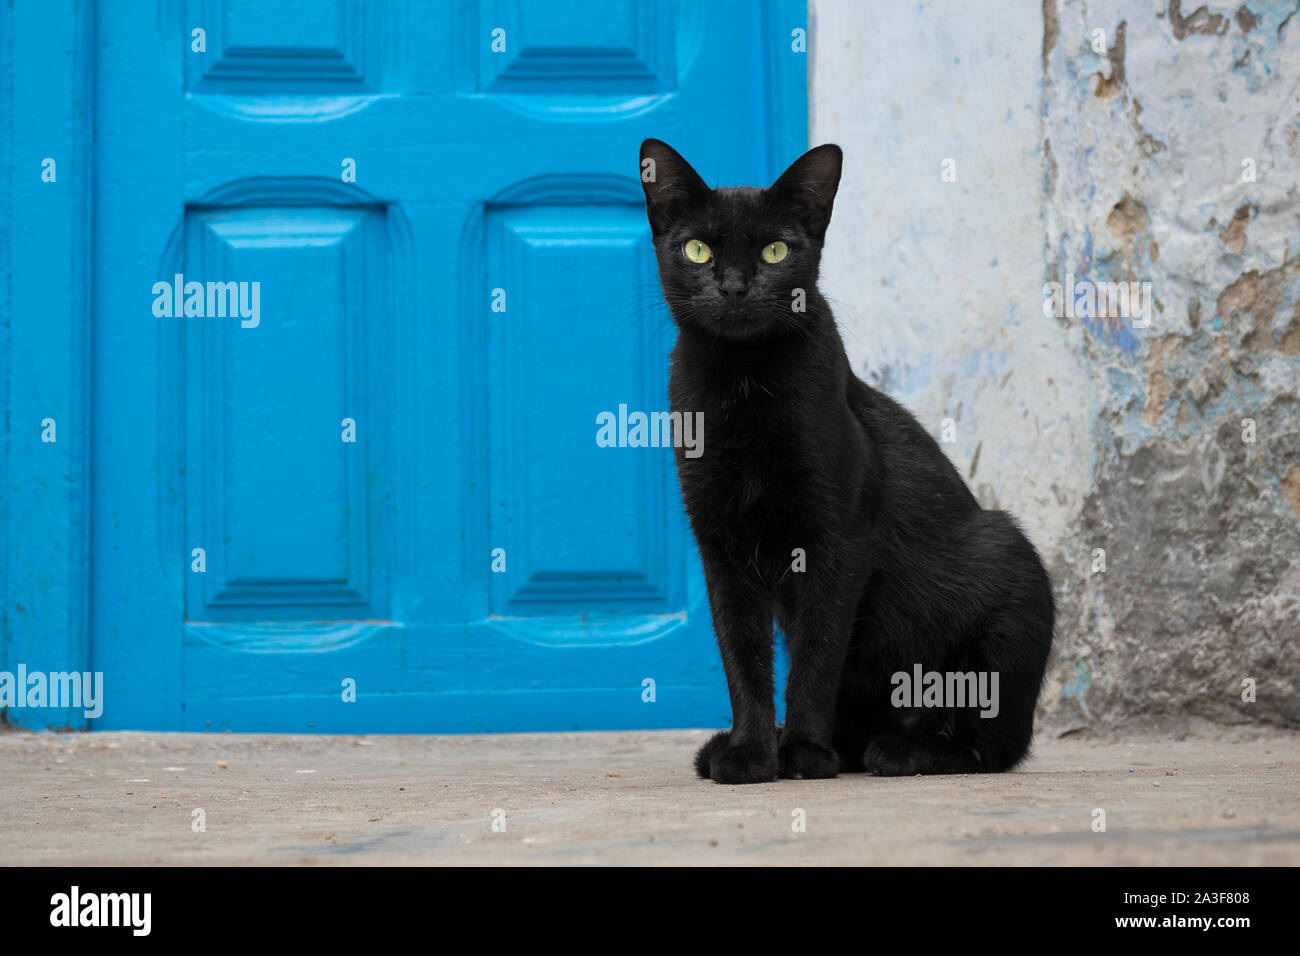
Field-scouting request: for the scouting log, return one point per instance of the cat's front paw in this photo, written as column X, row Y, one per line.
column 721, row 762
column 743, row 764
column 888, row 755
column 805, row 760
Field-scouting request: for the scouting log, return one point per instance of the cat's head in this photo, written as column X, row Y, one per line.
column 730, row 259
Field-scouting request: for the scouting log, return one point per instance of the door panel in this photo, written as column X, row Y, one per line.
column 463, row 309
column 588, row 526
column 264, row 416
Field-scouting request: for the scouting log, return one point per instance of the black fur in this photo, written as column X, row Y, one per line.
column 903, row 567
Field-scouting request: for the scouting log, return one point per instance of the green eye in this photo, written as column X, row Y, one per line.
column 775, row 252
column 697, row 251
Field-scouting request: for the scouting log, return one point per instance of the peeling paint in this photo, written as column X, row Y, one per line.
column 1233, row 235
column 1200, row 20
column 1199, row 525
column 1127, row 218
column 1049, row 29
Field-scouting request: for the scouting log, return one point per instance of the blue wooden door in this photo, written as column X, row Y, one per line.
column 365, row 278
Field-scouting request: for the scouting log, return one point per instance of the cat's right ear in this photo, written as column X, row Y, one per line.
column 670, row 183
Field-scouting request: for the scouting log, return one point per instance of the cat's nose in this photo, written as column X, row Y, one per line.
column 733, row 287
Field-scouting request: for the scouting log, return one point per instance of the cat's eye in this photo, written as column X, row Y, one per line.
column 775, row 252
column 697, row 251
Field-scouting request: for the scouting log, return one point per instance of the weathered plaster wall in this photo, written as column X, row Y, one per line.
column 1123, row 165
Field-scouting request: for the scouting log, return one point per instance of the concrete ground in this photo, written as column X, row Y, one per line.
column 1214, row 796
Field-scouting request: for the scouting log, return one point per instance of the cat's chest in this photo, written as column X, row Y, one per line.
column 749, row 503
column 738, row 403
column 755, row 466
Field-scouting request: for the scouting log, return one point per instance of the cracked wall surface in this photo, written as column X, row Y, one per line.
column 989, row 153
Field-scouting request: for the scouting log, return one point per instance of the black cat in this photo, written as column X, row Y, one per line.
column 824, row 504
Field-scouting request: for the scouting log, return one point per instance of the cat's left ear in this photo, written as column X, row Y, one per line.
column 810, row 185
